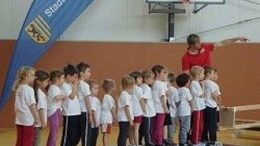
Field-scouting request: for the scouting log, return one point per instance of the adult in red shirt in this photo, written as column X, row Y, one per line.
column 200, row 53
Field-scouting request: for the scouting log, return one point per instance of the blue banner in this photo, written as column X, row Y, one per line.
column 44, row 23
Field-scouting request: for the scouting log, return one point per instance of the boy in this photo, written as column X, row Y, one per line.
column 71, row 107
column 212, row 100
column 184, row 107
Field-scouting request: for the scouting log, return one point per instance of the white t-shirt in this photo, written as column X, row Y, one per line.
column 53, row 104
column 42, row 105
column 137, row 95
column 185, row 96
column 198, row 101
column 24, row 98
column 96, row 106
column 211, row 87
column 124, row 100
column 159, row 89
column 71, row 107
column 147, row 93
column 83, row 92
column 107, row 104
column 173, row 99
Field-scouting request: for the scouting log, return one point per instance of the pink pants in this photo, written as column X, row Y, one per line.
column 158, row 129
column 54, row 121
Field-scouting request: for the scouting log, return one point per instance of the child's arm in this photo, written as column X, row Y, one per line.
column 127, row 111
column 35, row 113
column 89, row 108
column 163, row 102
column 74, row 92
column 59, row 97
column 42, row 118
column 95, row 118
column 143, row 104
column 113, row 111
column 217, row 97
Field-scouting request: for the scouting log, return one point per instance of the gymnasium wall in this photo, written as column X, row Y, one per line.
column 238, row 66
column 128, row 20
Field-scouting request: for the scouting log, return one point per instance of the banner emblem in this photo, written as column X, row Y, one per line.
column 39, row 30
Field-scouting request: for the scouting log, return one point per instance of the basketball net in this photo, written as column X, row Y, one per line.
column 189, row 7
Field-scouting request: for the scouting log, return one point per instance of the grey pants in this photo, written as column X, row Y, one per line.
column 37, row 136
column 172, row 129
column 184, row 129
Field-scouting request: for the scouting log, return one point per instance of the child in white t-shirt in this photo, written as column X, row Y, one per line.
column 198, row 104
column 55, row 98
column 159, row 89
column 93, row 129
column 184, row 107
column 26, row 113
column 108, row 113
column 40, row 84
column 138, row 108
column 85, row 107
column 125, row 110
column 212, row 100
column 174, row 100
column 71, row 107
column 147, row 120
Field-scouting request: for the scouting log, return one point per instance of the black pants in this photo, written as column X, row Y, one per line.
column 83, row 128
column 210, row 125
column 70, row 133
column 92, row 135
column 146, row 130
column 123, row 133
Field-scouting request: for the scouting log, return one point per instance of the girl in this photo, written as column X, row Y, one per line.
column 93, row 129
column 40, row 84
column 125, row 110
column 55, row 98
column 108, row 109
column 138, row 109
column 147, row 121
column 84, row 93
column 25, row 106
column 159, row 96
column 198, row 104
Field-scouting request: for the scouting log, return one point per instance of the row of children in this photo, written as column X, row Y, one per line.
column 148, row 106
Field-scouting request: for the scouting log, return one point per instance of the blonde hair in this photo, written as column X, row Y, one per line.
column 196, row 70
column 21, row 75
column 127, row 82
column 108, row 84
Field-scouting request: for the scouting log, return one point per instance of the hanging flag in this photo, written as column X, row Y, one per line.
column 44, row 23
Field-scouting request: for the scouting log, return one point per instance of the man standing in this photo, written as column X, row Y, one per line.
column 200, row 53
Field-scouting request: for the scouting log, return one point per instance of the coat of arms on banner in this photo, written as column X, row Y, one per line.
column 39, row 30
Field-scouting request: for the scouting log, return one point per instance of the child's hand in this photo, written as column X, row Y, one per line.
column 97, row 124
column 90, row 119
column 36, row 121
column 44, row 125
column 131, row 123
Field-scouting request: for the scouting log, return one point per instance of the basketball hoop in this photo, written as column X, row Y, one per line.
column 189, row 7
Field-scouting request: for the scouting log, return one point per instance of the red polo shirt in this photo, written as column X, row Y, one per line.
column 201, row 59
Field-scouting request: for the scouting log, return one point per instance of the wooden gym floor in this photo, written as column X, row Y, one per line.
column 8, row 137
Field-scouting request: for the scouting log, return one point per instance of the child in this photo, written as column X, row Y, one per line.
column 40, row 84
column 184, row 107
column 198, row 104
column 159, row 97
column 108, row 114
column 55, row 98
column 215, row 78
column 85, row 107
column 174, row 99
column 147, row 121
column 125, row 110
column 25, row 106
column 138, row 108
column 93, row 129
column 71, row 107
column 212, row 98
